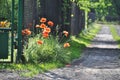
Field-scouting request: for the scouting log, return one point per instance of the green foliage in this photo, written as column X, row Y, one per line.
column 115, row 34
column 5, row 11
column 102, row 8
column 51, row 50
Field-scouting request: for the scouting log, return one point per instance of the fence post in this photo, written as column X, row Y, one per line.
column 20, row 18
column 12, row 31
column 74, row 19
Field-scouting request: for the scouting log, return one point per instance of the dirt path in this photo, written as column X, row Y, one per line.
column 99, row 62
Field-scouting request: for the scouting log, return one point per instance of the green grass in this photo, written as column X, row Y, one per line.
column 115, row 34
column 78, row 44
column 29, row 70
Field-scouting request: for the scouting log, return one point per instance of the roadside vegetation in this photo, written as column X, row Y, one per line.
column 115, row 33
column 77, row 45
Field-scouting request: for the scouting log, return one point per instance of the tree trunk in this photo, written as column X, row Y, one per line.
column 77, row 18
column 30, row 13
column 51, row 10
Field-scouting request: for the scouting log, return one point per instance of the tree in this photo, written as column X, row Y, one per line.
column 51, row 10
column 5, row 9
column 30, row 13
column 77, row 19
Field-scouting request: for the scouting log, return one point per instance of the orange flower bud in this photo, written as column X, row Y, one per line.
column 40, row 42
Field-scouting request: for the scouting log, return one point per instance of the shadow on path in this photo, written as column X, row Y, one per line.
column 99, row 58
column 103, row 53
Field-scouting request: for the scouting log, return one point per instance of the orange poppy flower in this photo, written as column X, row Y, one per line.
column 48, row 30
column 40, row 42
column 66, row 45
column 45, row 35
column 65, row 33
column 37, row 26
column 27, row 32
column 42, row 25
column 50, row 23
column 43, row 20
column 45, row 32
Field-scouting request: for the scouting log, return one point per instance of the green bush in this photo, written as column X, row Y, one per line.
column 44, row 47
column 50, row 50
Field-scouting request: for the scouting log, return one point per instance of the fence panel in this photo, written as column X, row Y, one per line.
column 3, row 45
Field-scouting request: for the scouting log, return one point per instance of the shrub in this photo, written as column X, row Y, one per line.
column 45, row 47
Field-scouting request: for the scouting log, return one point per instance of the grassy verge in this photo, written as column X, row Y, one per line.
column 115, row 34
column 77, row 46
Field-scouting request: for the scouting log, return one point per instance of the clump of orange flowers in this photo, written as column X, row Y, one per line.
column 46, row 26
